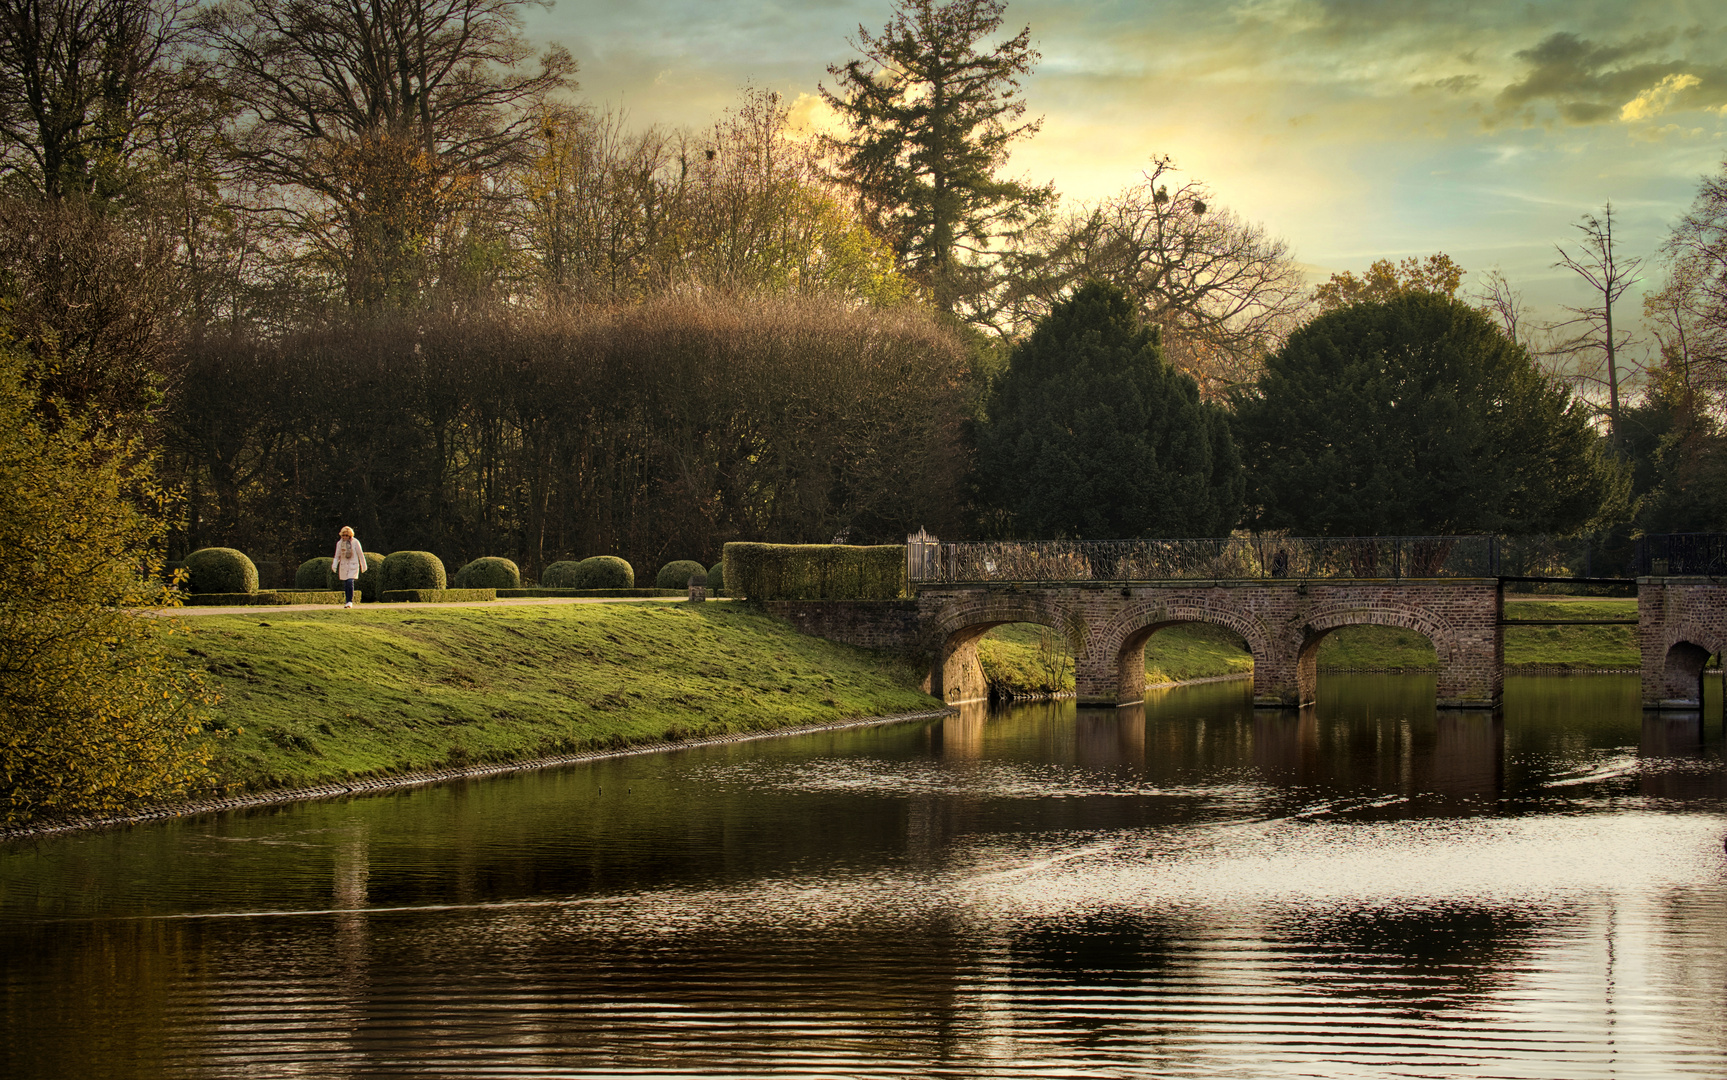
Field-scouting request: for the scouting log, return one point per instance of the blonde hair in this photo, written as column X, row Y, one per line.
column 347, row 530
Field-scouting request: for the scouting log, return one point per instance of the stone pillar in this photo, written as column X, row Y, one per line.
column 698, row 588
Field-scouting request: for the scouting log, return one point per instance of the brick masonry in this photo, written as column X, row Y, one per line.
column 1681, row 622
column 1107, row 626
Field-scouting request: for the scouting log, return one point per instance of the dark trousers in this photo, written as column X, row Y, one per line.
column 348, row 588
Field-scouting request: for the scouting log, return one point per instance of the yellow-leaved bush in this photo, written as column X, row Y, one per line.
column 96, row 717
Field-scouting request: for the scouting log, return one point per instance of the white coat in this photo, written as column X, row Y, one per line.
column 350, row 560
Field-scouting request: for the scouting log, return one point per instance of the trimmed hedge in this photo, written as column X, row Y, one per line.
column 490, row 572
column 221, row 570
column 717, row 578
column 814, row 571
column 412, row 570
column 313, row 574
column 270, row 598
column 599, row 572
column 438, row 596
column 528, row 592
column 676, row 574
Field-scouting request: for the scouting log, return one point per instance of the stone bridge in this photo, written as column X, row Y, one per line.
column 1106, row 626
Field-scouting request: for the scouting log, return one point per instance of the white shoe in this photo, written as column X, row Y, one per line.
column 349, row 604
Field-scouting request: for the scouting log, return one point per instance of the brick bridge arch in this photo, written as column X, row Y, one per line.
column 1679, row 628
column 955, row 627
column 1107, row 625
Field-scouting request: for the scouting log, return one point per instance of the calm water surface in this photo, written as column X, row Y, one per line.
column 1191, row 888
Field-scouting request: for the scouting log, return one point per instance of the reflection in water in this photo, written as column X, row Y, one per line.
column 1184, row 888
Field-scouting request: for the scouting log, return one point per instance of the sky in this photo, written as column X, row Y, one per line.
column 1355, row 129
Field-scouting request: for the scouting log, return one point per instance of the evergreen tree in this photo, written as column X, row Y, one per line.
column 1417, row 416
column 1091, row 435
column 931, row 119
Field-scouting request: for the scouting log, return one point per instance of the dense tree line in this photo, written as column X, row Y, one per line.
column 654, row 431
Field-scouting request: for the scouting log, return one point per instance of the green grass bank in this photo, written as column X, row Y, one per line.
column 317, row 696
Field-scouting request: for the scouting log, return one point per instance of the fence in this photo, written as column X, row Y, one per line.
column 1682, row 555
column 1242, row 558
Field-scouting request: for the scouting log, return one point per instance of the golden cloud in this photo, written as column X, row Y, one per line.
column 1654, row 101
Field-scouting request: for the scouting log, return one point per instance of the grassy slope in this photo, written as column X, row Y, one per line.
column 325, row 695
column 1010, row 653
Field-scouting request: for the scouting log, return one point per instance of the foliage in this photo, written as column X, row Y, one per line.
column 314, row 573
column 560, row 575
column 490, row 572
column 439, row 596
column 1090, row 435
column 814, row 571
column 1417, row 416
column 1689, row 313
column 412, row 570
column 379, row 124
column 1223, row 291
column 717, row 579
column 602, row 572
column 1384, row 281
column 94, row 717
column 676, row 574
column 221, row 570
column 670, row 426
column 931, row 116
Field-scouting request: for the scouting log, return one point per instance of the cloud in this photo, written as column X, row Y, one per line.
column 1654, row 101
column 1585, row 80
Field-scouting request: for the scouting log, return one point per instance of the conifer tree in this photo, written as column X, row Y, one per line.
column 1091, row 435
column 932, row 116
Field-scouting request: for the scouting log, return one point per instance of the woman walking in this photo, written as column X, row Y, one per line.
column 349, row 563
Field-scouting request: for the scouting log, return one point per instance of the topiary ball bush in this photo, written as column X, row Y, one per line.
column 676, row 574
column 717, row 578
column 220, row 569
column 559, row 575
column 490, row 572
column 603, row 572
column 313, row 574
column 413, row 570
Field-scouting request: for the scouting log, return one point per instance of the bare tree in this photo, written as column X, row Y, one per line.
column 1224, row 290
column 1609, row 276
column 80, row 83
column 1689, row 314
column 380, row 123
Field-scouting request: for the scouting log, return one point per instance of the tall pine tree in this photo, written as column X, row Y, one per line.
column 931, row 117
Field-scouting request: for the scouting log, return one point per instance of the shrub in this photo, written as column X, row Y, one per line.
column 559, row 575
column 717, row 578
column 602, row 572
column 371, row 582
column 313, row 574
column 814, row 571
column 269, row 572
column 439, row 596
column 413, row 570
column 676, row 574
column 490, row 572
column 221, row 570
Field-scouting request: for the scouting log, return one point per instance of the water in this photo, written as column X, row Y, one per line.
column 1189, row 889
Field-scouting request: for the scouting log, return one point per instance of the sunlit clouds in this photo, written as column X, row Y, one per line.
column 1358, row 129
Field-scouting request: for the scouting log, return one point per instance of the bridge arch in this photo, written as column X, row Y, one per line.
column 1684, row 653
column 1320, row 623
column 1122, row 640
column 956, row 676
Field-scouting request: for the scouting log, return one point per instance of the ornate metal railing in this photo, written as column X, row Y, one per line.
column 1237, row 558
column 1682, row 555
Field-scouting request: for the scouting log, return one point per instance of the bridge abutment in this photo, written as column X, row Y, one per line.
column 1681, row 622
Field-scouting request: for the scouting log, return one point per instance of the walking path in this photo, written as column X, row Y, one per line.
column 256, row 609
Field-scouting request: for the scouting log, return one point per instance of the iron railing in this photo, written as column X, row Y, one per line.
column 1229, row 558
column 1682, row 555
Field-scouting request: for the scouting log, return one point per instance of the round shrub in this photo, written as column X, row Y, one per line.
column 676, row 574
column 559, row 575
column 604, row 572
column 370, row 583
column 221, row 570
column 717, row 578
column 413, row 570
column 490, row 572
column 313, row 574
